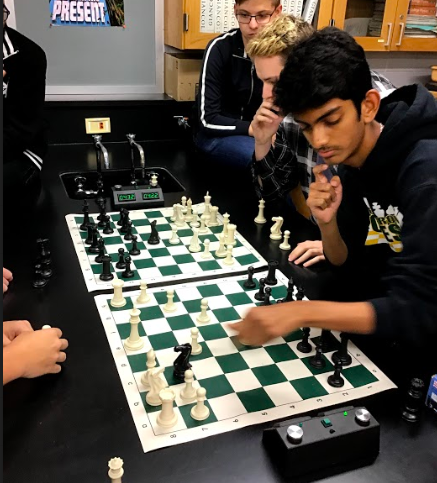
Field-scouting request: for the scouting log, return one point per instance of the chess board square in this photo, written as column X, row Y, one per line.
column 130, row 279
column 189, row 293
column 204, row 368
column 246, row 259
column 216, row 229
column 185, row 232
column 188, row 268
column 138, row 362
column 166, row 356
column 217, row 386
column 97, row 269
column 230, row 287
column 163, row 341
column 279, row 292
column 169, row 375
column 124, row 330
column 180, row 259
column 193, row 423
column 221, row 347
column 207, row 291
column 205, row 354
column 150, row 313
column 226, row 314
column 358, row 376
column 227, row 407
column 281, row 353
column 323, row 379
column 113, row 240
column 164, row 261
column 141, row 246
column 243, row 381
column 296, row 335
column 268, row 375
column 257, row 357
column 212, row 332
column 192, row 306
column 156, row 326
column 294, row 369
column 153, row 214
column 163, row 227
column 282, row 393
column 232, row 363
column 239, row 299
column 241, row 283
column 142, row 222
column 129, row 305
column 145, row 263
column 209, row 265
column 159, row 252
column 161, row 297
column 309, row 387
column 328, row 368
column 256, row 400
column 170, row 270
column 218, row 302
column 180, row 322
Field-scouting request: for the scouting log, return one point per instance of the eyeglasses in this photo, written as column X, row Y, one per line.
column 6, row 13
column 261, row 19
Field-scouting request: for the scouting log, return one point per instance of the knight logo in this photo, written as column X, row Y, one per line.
column 384, row 226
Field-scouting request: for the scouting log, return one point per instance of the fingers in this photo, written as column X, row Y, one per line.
column 56, row 369
column 62, row 356
column 64, row 344
column 311, row 253
column 318, row 173
column 314, row 260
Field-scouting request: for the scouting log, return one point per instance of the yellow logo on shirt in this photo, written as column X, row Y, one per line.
column 384, row 226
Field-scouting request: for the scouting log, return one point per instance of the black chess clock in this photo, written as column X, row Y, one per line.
column 136, row 197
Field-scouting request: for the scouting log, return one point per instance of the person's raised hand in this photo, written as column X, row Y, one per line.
column 307, row 253
column 265, row 123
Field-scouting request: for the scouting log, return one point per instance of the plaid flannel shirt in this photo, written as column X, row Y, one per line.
column 291, row 159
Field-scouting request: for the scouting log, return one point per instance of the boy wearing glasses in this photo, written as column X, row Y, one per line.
column 229, row 89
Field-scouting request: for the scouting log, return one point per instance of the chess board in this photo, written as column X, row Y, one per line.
column 245, row 385
column 163, row 262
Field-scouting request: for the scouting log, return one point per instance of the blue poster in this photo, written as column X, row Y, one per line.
column 88, row 13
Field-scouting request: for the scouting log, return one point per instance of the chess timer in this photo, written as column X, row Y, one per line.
column 141, row 197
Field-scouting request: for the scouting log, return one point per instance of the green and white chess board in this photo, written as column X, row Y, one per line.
column 245, row 385
column 163, row 263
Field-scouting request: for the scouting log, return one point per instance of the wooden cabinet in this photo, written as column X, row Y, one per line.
column 386, row 30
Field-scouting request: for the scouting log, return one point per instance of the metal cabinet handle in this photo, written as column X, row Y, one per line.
column 402, row 24
column 390, row 28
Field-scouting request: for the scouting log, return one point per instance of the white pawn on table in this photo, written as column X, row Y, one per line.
column 261, row 219
column 144, row 297
column 196, row 348
column 200, row 411
column 203, row 317
column 170, row 306
column 188, row 392
column 285, row 245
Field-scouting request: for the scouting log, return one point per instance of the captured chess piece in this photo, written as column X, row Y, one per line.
column 304, row 345
column 260, row 294
column 249, row 283
column 414, row 401
column 44, row 254
column 182, row 362
column 317, row 361
column 115, row 470
column 300, row 293
column 342, row 354
column 335, row 379
column 261, row 219
column 271, row 275
column 39, row 281
column 46, row 270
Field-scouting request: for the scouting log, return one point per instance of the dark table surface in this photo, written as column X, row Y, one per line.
column 66, row 427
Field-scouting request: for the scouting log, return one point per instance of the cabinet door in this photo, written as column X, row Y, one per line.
column 406, row 35
column 370, row 22
column 196, row 15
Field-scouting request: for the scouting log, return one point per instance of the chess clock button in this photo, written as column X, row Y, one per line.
column 118, row 187
column 295, row 434
column 362, row 417
column 326, row 422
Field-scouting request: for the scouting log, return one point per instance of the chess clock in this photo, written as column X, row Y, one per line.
column 136, row 197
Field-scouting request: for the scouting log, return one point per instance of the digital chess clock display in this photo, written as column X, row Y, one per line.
column 151, row 195
column 127, row 197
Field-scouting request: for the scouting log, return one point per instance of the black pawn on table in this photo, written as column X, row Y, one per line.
column 44, row 253
column 271, row 275
column 317, row 361
column 128, row 273
column 414, row 401
column 46, row 269
column 94, row 248
column 299, row 294
column 304, row 345
column 267, row 294
column 154, row 235
column 108, row 230
column 121, row 264
column 89, row 238
column 39, row 281
column 99, row 258
column 123, row 212
column 128, row 235
column 290, row 290
column 102, row 217
column 342, row 354
column 134, row 251
column 125, row 226
column 260, row 294
column 86, row 216
column 335, row 379
column 182, row 362
column 106, row 274
column 249, row 283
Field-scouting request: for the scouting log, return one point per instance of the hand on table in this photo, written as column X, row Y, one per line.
column 310, row 252
column 7, row 279
column 13, row 329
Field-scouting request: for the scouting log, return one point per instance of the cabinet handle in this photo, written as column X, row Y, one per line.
column 185, row 22
column 401, row 34
column 390, row 28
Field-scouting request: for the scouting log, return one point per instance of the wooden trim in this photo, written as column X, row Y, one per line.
column 173, row 17
column 194, row 39
column 325, row 13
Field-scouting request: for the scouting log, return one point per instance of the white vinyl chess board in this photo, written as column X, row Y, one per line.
column 163, row 262
column 245, row 385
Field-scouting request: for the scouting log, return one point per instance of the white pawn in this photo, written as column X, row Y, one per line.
column 285, row 245
column 206, row 253
column 188, row 392
column 154, row 180
column 207, row 212
column 49, row 327
column 156, row 384
column 194, row 244
column 115, row 470
column 229, row 260
column 167, row 418
column 196, row 348
column 144, row 297
column 275, row 230
column 180, row 220
column 134, row 342
column 195, row 222
column 225, row 224
column 175, row 213
column 174, row 240
column 221, row 251
column 170, row 306
column 260, row 219
column 230, row 238
column 213, row 216
column 189, row 213
column 184, row 204
column 151, row 364
column 200, row 412
column 118, row 300
column 203, row 228
column 203, row 316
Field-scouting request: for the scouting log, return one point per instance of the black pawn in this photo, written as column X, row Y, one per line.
column 46, row 270
column 125, row 227
column 299, row 295
column 86, row 216
column 89, row 238
column 128, row 235
column 43, row 251
column 128, row 273
column 271, row 277
column 249, row 283
column 102, row 209
column 99, row 258
column 267, row 294
column 108, row 230
column 325, row 339
column 317, row 361
column 154, row 235
column 121, row 264
column 413, row 404
column 94, row 248
column 39, row 281
column 304, row 345
column 134, row 251
column 335, row 379
column 260, row 294
column 123, row 212
column 290, row 291
column 342, row 354
column 102, row 218
column 106, row 274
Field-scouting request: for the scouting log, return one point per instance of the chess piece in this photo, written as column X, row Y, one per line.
column 86, row 216
column 128, row 236
column 101, row 244
column 170, row 306
column 260, row 219
column 213, row 216
column 413, row 405
column 156, row 384
column 188, row 392
column 304, row 345
column 285, row 245
column 206, row 253
column 229, row 260
column 167, row 418
column 206, row 212
column 134, row 251
column 108, row 230
column 249, row 283
column 200, row 411
column 39, row 281
column 203, row 317
column 175, row 213
column 154, row 235
column 134, row 342
column 271, row 277
column 275, row 230
column 300, row 293
column 128, row 273
column 118, row 300
column 154, row 180
column 115, row 470
column 267, row 294
column 144, row 297
column 194, row 223
column 221, row 252
column 260, row 294
column 121, row 264
column 335, row 379
column 150, row 364
column 194, row 246
column 317, row 361
column 324, row 340
column 174, row 239
column 182, row 362
column 106, row 274
column 342, row 354
column 196, row 348
column 230, row 237
column 180, row 220
column 226, row 217
column 203, row 228
column 290, row 291
column 184, row 204
column 189, row 213
column 89, row 239
column 94, row 248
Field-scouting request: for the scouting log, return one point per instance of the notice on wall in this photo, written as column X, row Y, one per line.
column 217, row 16
column 88, row 13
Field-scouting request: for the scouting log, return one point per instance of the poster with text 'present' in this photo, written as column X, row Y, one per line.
column 89, row 13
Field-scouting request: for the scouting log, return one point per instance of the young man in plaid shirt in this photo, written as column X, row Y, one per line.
column 283, row 160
